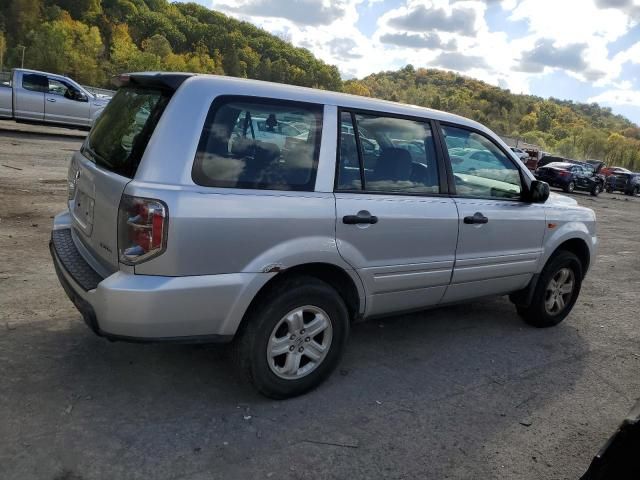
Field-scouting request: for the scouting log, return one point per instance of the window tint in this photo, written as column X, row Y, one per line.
column 398, row 155
column 265, row 144
column 480, row 168
column 37, row 83
column 121, row 133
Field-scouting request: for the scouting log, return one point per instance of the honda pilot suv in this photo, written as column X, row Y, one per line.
column 185, row 223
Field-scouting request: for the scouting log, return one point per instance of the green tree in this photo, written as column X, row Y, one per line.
column 3, row 50
column 356, row 88
column 157, row 45
column 24, row 16
column 67, row 46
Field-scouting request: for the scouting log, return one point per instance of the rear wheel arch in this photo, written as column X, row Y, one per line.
column 333, row 275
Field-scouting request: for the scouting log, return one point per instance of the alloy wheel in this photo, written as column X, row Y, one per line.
column 559, row 291
column 299, row 342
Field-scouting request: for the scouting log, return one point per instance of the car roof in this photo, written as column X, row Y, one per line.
column 261, row 88
column 39, row 72
column 560, row 164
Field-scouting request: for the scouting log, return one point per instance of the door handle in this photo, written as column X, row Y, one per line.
column 362, row 217
column 53, row 100
column 476, row 218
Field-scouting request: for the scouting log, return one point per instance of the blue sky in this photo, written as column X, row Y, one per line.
column 583, row 50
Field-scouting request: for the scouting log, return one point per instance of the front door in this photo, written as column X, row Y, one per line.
column 392, row 225
column 66, row 104
column 500, row 241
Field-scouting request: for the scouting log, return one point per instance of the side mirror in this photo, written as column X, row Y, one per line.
column 81, row 97
column 538, row 192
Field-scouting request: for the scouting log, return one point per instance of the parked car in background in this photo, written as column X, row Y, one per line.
column 522, row 155
column 571, row 176
column 606, row 171
column 175, row 234
column 40, row 97
column 625, row 182
column 547, row 159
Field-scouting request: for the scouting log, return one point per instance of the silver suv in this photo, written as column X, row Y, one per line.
column 206, row 208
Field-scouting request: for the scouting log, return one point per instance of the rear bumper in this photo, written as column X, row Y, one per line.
column 144, row 308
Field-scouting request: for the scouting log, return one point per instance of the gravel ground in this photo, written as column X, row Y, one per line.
column 457, row 392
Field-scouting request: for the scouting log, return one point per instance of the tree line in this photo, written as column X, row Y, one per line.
column 573, row 130
column 92, row 40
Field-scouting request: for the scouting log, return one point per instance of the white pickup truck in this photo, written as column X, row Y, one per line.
column 40, row 97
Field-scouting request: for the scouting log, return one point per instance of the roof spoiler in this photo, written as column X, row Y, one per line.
column 170, row 81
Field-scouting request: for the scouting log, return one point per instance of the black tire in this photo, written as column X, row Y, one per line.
column 595, row 191
column 571, row 186
column 250, row 346
column 609, row 190
column 536, row 314
column 636, row 190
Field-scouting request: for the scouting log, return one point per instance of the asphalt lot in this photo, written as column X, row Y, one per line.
column 458, row 392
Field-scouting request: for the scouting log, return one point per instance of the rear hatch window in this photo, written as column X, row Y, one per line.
column 121, row 133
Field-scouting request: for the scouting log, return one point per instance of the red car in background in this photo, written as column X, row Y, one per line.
column 606, row 171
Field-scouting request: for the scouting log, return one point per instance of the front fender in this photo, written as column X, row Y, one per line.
column 556, row 236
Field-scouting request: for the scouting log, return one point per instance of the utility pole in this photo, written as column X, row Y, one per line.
column 23, row 49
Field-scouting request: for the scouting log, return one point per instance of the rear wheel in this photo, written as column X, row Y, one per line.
column 556, row 292
column 293, row 338
column 571, row 186
column 636, row 190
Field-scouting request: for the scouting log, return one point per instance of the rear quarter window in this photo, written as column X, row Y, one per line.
column 257, row 143
column 121, row 133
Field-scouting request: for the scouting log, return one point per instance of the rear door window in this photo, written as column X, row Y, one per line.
column 121, row 133
column 34, row 82
column 397, row 155
column 259, row 144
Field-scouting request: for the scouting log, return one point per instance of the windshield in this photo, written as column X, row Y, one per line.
column 120, row 135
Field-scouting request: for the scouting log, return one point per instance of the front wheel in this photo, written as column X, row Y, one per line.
column 293, row 338
column 556, row 291
column 570, row 187
column 595, row 191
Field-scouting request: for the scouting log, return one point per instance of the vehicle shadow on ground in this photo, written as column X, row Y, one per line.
column 140, row 408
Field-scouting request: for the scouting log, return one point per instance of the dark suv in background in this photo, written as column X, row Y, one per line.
column 571, row 175
column 626, row 182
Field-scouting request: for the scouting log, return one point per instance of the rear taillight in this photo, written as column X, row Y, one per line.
column 142, row 229
column 563, row 173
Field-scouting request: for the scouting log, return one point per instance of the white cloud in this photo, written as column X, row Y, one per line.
column 301, row 12
column 561, row 35
column 618, row 97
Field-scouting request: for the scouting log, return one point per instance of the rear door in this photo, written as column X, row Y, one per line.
column 29, row 96
column 107, row 162
column 66, row 104
column 500, row 239
column 394, row 225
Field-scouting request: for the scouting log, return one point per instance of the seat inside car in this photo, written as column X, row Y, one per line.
column 394, row 164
